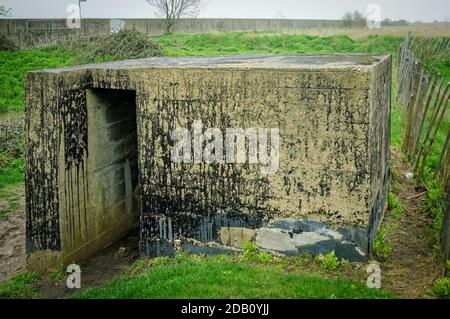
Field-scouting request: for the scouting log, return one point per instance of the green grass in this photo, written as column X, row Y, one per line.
column 435, row 206
column 22, row 286
column 11, row 177
column 13, row 66
column 11, row 172
column 255, row 42
column 223, row 277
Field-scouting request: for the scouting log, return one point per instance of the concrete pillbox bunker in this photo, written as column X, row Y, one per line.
column 99, row 155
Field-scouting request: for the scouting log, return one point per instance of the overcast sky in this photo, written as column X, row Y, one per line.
column 412, row 10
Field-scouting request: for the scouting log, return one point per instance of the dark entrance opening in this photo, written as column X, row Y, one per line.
column 114, row 200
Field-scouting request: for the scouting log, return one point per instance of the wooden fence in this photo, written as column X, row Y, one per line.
column 424, row 94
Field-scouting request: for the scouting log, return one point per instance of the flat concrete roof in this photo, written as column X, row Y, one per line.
column 304, row 61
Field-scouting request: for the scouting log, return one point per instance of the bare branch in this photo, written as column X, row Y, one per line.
column 173, row 10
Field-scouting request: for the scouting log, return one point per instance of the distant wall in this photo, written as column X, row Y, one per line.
column 156, row 26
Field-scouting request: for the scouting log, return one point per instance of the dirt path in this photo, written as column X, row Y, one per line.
column 100, row 269
column 12, row 232
column 410, row 269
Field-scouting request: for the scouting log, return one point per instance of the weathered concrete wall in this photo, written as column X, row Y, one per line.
column 156, row 26
column 18, row 27
column 328, row 193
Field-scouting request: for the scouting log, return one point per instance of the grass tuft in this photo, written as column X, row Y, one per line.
column 441, row 288
column 381, row 248
column 331, row 262
column 395, row 206
column 22, row 286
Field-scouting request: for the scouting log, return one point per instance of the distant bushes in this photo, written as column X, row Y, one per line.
column 7, row 43
column 354, row 20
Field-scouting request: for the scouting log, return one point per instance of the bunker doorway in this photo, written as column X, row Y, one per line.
column 114, row 200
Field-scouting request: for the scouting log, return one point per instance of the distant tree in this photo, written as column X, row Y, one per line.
column 353, row 20
column 359, row 19
column 173, row 10
column 279, row 15
column 348, row 20
column 4, row 12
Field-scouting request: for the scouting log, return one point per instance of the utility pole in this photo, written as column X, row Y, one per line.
column 81, row 20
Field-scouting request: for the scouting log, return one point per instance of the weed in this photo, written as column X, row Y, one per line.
column 250, row 252
column 265, row 258
column 381, row 248
column 331, row 262
column 441, row 288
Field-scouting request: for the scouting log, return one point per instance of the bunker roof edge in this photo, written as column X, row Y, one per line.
column 332, row 62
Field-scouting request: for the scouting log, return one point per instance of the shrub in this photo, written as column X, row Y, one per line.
column 34, row 41
column 12, row 136
column 7, row 43
column 124, row 45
